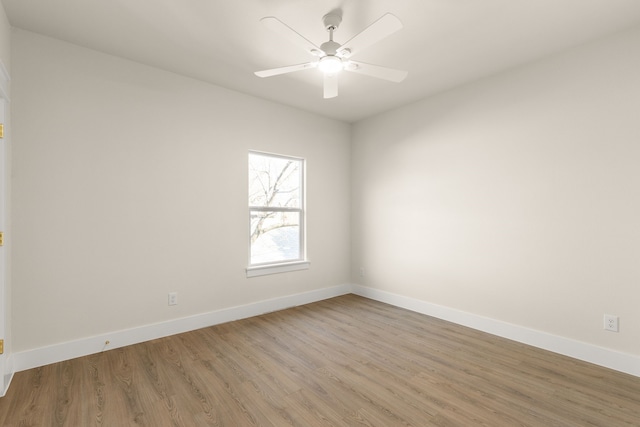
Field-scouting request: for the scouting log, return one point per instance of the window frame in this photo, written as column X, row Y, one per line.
column 272, row 267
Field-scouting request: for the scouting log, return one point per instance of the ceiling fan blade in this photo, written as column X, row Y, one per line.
column 383, row 27
column 276, row 25
column 330, row 86
column 384, row 73
column 284, row 70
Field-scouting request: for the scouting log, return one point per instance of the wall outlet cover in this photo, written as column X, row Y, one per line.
column 173, row 298
column 611, row 323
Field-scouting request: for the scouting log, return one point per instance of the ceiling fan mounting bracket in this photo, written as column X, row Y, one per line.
column 331, row 21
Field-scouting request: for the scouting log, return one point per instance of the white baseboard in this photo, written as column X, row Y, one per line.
column 579, row 350
column 618, row 361
column 68, row 350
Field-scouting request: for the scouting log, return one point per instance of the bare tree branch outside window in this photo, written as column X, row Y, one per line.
column 275, row 202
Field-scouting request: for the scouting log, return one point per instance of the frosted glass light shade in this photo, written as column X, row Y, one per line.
column 330, row 64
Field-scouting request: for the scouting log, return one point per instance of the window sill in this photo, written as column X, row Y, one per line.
column 277, row 268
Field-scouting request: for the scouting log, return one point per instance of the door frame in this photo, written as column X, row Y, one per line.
column 6, row 368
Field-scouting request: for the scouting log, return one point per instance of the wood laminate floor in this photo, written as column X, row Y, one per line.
column 347, row 361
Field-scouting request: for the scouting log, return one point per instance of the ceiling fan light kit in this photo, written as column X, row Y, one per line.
column 334, row 57
column 330, row 64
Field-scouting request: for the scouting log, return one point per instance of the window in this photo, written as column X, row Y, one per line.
column 276, row 214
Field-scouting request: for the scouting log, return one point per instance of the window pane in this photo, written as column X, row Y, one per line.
column 274, row 181
column 275, row 236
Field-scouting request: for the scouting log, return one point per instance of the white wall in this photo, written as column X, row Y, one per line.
column 130, row 182
column 515, row 197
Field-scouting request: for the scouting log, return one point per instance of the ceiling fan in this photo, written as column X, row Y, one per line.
column 333, row 57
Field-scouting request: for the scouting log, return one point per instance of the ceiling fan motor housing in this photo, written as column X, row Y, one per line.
column 330, row 47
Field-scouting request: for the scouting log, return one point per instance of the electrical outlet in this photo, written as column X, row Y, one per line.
column 611, row 322
column 173, row 298
column 361, row 271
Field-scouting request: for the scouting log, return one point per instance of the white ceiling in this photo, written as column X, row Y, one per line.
column 444, row 43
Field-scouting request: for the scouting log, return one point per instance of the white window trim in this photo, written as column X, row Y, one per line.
column 288, row 265
column 263, row 270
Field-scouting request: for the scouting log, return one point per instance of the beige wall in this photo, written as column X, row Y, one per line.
column 515, row 198
column 131, row 182
column 5, row 39
column 512, row 198
column 5, row 57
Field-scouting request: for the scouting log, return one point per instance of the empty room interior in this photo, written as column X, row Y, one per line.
column 347, row 213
